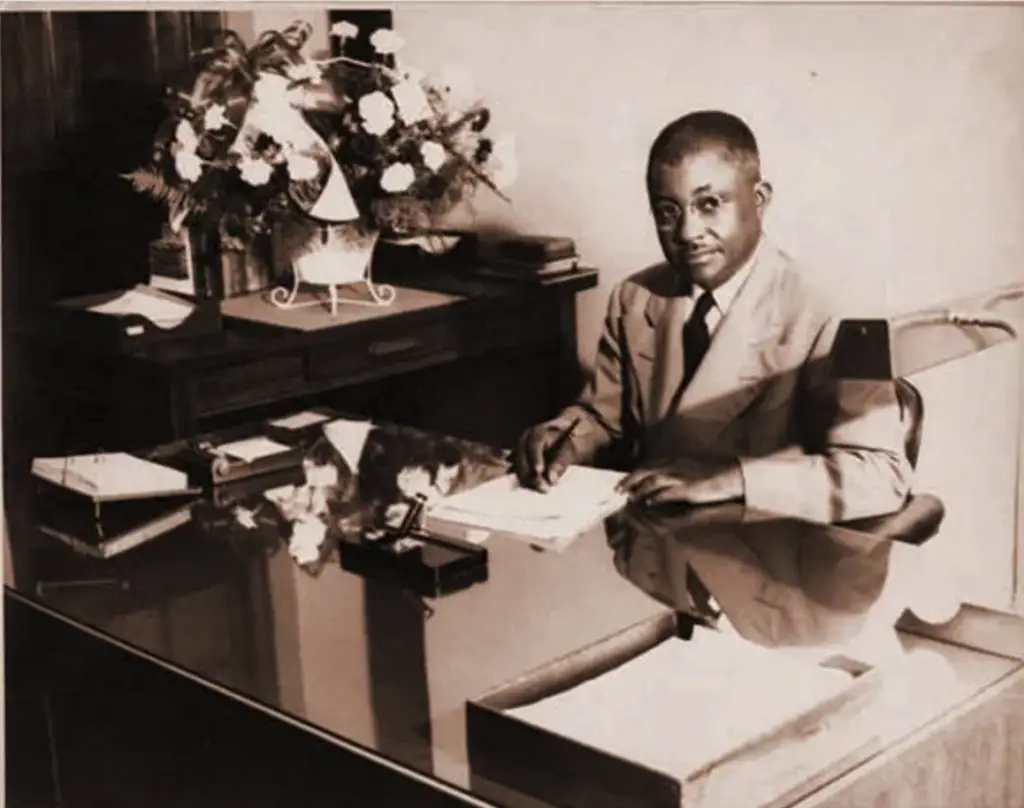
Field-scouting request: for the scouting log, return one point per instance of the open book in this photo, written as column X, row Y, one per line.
column 552, row 519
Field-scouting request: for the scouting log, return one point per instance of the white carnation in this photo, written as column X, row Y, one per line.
column 385, row 41
column 214, row 118
column 188, row 165
column 397, row 178
column 434, row 155
column 377, row 112
column 186, row 136
column 344, row 30
column 412, row 102
column 255, row 172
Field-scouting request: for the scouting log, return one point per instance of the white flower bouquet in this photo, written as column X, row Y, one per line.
column 263, row 134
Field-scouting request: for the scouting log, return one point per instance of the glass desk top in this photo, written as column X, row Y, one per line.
column 377, row 666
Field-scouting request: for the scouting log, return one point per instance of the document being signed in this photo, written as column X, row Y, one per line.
column 552, row 519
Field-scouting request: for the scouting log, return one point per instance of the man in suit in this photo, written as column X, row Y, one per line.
column 711, row 380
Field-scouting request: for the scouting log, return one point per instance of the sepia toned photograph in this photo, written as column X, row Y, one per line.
column 576, row 404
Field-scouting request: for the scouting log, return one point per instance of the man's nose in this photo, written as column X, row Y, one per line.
column 689, row 229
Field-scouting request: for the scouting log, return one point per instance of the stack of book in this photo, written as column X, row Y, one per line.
column 104, row 504
column 528, row 258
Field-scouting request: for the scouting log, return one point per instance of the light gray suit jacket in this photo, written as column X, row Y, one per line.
column 809, row 445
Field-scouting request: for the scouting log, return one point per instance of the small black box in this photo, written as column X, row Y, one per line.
column 424, row 565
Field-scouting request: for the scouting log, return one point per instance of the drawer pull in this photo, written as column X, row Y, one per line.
column 387, row 347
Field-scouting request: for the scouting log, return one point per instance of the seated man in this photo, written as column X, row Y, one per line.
column 711, row 379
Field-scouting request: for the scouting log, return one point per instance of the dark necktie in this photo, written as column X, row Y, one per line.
column 696, row 337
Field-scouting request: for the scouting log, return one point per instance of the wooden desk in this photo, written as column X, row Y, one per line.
column 485, row 360
column 225, row 675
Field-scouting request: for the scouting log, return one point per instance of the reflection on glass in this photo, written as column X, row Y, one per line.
column 356, row 477
column 775, row 581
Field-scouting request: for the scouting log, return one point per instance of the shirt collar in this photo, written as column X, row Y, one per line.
column 726, row 293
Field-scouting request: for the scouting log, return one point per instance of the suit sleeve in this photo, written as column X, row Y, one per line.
column 601, row 406
column 853, row 464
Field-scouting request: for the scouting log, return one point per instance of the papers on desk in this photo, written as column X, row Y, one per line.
column 252, row 449
column 552, row 519
column 162, row 310
column 111, row 475
column 710, row 695
column 300, row 420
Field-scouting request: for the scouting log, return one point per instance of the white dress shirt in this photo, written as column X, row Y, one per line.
column 725, row 294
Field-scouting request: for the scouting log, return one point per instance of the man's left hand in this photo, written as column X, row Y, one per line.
column 696, row 482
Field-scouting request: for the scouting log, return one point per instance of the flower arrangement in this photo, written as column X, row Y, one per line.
column 262, row 134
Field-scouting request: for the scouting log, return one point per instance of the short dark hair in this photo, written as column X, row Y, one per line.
column 702, row 129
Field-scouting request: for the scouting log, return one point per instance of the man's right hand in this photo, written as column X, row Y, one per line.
column 538, row 460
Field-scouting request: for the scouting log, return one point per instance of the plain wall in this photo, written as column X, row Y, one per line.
column 894, row 136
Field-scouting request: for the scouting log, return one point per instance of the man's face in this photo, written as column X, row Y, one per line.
column 708, row 212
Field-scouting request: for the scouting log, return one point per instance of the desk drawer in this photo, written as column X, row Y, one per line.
column 231, row 386
column 379, row 354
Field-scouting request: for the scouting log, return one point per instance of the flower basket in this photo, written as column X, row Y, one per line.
column 328, row 257
column 325, row 154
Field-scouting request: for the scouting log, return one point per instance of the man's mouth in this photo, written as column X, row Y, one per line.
column 700, row 255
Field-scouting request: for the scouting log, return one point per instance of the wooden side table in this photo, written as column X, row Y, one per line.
column 483, row 360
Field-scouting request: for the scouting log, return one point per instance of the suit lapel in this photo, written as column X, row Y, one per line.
column 656, row 353
column 668, row 342
column 741, row 356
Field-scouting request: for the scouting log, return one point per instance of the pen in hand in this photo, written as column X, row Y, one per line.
column 550, row 469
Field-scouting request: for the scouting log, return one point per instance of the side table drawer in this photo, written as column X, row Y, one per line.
column 232, row 386
column 381, row 353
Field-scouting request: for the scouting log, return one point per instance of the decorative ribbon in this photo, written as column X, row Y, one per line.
column 267, row 89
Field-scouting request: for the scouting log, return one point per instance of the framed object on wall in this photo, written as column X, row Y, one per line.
column 367, row 21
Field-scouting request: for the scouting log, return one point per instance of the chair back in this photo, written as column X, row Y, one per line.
column 912, row 411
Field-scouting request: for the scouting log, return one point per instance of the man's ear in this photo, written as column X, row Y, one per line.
column 763, row 193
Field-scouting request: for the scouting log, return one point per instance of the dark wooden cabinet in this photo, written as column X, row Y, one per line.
column 494, row 359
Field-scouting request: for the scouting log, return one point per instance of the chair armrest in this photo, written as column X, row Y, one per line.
column 916, row 522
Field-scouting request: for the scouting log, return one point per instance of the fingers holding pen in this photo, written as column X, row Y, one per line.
column 529, row 458
column 542, row 456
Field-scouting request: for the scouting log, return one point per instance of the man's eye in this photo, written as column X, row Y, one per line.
column 709, row 205
column 665, row 214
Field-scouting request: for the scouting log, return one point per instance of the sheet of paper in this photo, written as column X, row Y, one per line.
column 349, row 438
column 110, row 474
column 684, row 704
column 553, row 519
column 251, row 449
column 158, row 309
column 300, row 420
column 581, row 489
